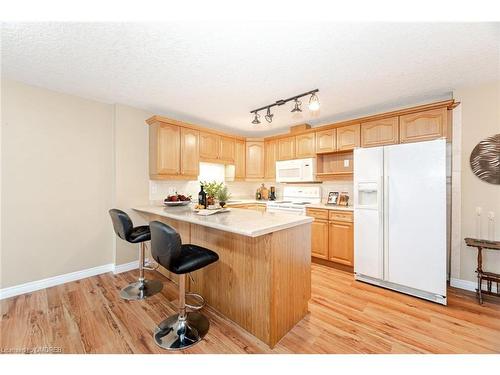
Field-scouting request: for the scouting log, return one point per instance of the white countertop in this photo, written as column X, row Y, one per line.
column 330, row 207
column 237, row 220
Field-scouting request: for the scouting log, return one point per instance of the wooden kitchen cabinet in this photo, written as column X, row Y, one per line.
column 239, row 159
column 226, row 149
column 380, row 132
column 348, row 137
column 305, row 146
column 286, row 148
column 424, row 126
column 319, row 239
column 164, row 150
column 332, row 236
column 270, row 156
column 190, row 156
column 255, row 159
column 209, row 146
column 341, row 243
column 326, row 141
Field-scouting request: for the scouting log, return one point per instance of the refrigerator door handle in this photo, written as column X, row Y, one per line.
column 381, row 245
column 386, row 227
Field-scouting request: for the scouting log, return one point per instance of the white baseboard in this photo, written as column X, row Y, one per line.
column 126, row 267
column 467, row 285
column 33, row 286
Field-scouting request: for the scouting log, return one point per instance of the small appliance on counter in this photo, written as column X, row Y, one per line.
column 272, row 194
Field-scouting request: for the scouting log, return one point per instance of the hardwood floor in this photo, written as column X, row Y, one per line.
column 346, row 316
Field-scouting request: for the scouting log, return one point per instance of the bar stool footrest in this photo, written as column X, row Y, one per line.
column 200, row 299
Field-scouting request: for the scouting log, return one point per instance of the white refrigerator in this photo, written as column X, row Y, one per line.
column 400, row 218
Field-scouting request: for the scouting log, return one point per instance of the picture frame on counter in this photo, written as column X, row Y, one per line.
column 333, row 197
column 343, row 199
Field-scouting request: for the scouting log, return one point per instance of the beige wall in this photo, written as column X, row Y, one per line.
column 131, row 144
column 480, row 112
column 56, row 183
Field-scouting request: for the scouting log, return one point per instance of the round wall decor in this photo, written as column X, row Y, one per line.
column 485, row 159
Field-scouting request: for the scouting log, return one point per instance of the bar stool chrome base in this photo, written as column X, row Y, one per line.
column 175, row 333
column 137, row 291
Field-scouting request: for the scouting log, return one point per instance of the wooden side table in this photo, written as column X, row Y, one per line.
column 489, row 277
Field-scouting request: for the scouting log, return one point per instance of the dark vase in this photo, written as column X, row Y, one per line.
column 222, row 204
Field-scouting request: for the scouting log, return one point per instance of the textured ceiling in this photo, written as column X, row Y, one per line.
column 215, row 73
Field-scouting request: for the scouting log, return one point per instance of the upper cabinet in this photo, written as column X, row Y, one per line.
column 226, row 151
column 239, row 159
column 326, row 141
column 348, row 137
column 380, row 132
column 424, row 126
column 255, row 159
column 217, row 148
column 190, row 157
column 270, row 155
column 286, row 148
column 209, row 145
column 164, row 150
column 305, row 146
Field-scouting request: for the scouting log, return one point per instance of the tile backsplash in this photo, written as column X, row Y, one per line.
column 158, row 190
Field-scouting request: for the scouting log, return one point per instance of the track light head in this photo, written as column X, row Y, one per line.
column 314, row 102
column 297, row 106
column 256, row 119
column 269, row 116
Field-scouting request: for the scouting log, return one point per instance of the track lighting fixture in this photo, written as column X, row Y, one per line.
column 269, row 116
column 297, row 106
column 313, row 106
column 313, row 102
column 256, row 119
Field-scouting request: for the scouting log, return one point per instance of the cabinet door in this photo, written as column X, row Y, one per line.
column 255, row 159
column 226, row 152
column 239, row 159
column 319, row 239
column 423, row 126
column 168, row 149
column 380, row 132
column 286, row 148
column 270, row 154
column 305, row 146
column 326, row 141
column 341, row 242
column 348, row 137
column 190, row 155
column 209, row 145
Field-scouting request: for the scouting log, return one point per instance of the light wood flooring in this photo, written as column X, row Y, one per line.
column 346, row 316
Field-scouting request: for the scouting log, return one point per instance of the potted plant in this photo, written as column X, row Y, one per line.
column 212, row 189
column 223, row 196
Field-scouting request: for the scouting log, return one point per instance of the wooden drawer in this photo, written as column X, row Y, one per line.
column 317, row 213
column 340, row 216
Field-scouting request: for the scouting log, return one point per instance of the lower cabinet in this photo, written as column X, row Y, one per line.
column 319, row 239
column 332, row 236
column 340, row 243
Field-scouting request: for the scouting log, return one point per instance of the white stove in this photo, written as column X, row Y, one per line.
column 295, row 199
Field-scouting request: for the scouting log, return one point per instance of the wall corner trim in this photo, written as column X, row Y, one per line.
column 466, row 284
column 119, row 268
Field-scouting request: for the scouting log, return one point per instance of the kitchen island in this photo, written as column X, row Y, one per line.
column 262, row 280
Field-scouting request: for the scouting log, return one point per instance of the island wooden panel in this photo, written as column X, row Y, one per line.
column 261, row 283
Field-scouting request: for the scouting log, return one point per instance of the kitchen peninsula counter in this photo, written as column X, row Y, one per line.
column 262, row 280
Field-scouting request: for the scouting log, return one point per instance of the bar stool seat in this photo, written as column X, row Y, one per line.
column 182, row 330
column 125, row 230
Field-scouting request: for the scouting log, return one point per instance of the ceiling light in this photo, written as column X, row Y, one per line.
column 297, row 106
column 313, row 106
column 269, row 116
column 314, row 102
column 256, row 119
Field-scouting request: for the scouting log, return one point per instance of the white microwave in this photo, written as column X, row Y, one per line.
column 296, row 170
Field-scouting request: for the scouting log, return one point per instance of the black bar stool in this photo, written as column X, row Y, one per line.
column 184, row 329
column 126, row 231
